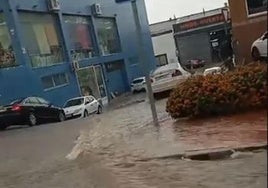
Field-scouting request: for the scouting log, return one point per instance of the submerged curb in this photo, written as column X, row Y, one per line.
column 208, row 154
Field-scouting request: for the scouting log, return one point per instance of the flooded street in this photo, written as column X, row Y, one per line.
column 122, row 149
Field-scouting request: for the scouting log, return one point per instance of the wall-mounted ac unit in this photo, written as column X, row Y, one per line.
column 96, row 9
column 54, row 5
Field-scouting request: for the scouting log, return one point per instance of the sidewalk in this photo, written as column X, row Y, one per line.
column 215, row 135
column 237, row 131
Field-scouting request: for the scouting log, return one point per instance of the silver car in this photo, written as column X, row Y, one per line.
column 138, row 84
column 167, row 77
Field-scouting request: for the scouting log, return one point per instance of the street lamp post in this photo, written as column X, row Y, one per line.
column 143, row 61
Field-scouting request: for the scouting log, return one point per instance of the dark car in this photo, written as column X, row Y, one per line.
column 195, row 63
column 29, row 111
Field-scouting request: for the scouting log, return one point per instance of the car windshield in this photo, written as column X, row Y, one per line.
column 74, row 102
column 136, row 81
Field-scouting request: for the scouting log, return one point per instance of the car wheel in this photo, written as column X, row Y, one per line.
column 99, row 110
column 32, row 120
column 85, row 113
column 255, row 54
column 61, row 117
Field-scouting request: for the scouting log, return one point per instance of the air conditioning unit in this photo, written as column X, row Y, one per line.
column 54, row 5
column 96, row 9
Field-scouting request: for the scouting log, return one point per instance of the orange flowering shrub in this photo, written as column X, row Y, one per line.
column 244, row 88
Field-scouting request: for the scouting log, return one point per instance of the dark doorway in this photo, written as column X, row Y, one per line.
column 221, row 46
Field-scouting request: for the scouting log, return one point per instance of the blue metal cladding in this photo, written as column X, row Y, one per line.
column 24, row 80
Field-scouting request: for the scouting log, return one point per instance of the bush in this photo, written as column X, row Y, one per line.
column 242, row 89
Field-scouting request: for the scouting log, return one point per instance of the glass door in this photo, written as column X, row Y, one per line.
column 101, row 83
column 88, row 82
column 91, row 82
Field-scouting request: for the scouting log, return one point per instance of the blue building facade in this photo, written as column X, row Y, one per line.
column 70, row 49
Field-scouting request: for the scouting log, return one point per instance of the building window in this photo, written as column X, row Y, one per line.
column 256, row 6
column 114, row 66
column 161, row 59
column 79, row 35
column 55, row 80
column 109, row 42
column 41, row 39
column 7, row 57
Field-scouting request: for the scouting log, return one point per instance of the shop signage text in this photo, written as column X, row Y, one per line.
column 198, row 23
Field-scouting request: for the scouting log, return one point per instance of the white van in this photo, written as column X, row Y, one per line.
column 167, row 77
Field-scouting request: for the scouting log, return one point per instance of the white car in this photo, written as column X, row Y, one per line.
column 166, row 78
column 212, row 70
column 259, row 47
column 81, row 107
column 138, row 84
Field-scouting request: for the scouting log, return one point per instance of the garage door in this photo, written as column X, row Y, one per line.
column 195, row 46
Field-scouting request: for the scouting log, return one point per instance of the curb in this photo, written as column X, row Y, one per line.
column 209, row 154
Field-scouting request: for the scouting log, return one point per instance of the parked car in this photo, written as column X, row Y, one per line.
column 167, row 77
column 82, row 107
column 138, row 84
column 259, row 47
column 213, row 70
column 31, row 111
column 195, row 63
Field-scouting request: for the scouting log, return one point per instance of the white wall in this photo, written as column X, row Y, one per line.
column 165, row 44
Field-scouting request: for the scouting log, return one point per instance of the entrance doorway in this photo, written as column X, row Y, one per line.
column 91, row 82
column 220, row 45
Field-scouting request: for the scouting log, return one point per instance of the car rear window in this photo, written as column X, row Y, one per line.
column 43, row 101
column 31, row 100
column 16, row 101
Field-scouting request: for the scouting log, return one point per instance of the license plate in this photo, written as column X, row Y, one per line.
column 69, row 115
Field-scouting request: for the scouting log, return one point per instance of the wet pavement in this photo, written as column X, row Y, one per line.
column 107, row 151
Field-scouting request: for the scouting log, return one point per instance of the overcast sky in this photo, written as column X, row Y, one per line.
column 160, row 10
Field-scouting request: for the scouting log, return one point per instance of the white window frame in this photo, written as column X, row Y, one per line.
column 256, row 14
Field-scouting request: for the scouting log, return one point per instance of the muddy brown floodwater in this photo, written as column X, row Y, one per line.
column 125, row 136
column 122, row 149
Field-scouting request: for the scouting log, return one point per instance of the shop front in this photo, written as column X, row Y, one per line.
column 204, row 36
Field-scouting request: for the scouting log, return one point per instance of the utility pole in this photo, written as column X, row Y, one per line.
column 225, row 14
column 144, row 61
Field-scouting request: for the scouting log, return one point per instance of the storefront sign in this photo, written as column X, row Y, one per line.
column 198, row 23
